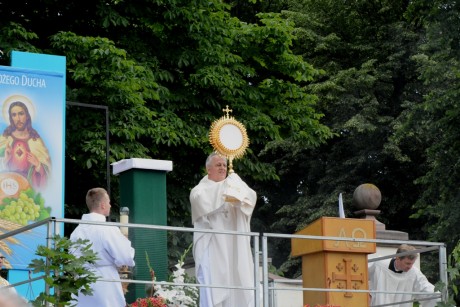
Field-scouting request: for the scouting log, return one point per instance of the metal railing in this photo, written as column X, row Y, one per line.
column 262, row 297
column 440, row 247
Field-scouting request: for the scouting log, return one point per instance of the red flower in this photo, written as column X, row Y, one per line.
column 157, row 301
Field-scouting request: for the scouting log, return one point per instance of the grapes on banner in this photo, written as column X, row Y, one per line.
column 27, row 207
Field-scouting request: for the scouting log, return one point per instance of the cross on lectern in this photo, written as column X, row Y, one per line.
column 348, row 277
column 227, row 110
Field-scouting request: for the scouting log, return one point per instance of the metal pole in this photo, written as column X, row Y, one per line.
column 256, row 271
column 48, row 244
column 265, row 269
column 443, row 272
column 107, row 148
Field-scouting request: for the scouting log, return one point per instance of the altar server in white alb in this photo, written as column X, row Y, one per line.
column 113, row 250
column 399, row 275
column 223, row 203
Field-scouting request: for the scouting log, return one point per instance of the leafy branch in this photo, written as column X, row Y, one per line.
column 66, row 271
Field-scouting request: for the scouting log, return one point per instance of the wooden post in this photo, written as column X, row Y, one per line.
column 335, row 264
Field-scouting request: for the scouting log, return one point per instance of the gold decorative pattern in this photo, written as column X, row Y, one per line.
column 339, row 266
column 355, row 267
column 228, row 137
column 352, row 281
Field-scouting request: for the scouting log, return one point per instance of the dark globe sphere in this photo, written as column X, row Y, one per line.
column 367, row 196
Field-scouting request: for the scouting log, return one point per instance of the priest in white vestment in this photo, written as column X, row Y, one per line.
column 223, row 203
column 399, row 275
column 112, row 248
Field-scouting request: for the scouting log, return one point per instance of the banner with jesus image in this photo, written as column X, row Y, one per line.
column 31, row 158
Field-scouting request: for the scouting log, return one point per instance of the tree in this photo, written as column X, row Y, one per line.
column 364, row 49
column 166, row 69
column 66, row 274
column 434, row 122
column 439, row 68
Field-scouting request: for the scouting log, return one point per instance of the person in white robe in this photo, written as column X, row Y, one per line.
column 113, row 250
column 223, row 203
column 399, row 275
column 11, row 299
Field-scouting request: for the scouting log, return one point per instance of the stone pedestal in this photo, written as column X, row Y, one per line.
column 367, row 198
column 370, row 214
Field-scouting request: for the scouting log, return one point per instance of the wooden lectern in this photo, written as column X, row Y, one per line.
column 335, row 264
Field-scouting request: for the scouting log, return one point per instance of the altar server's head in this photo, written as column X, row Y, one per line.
column 98, row 201
column 405, row 263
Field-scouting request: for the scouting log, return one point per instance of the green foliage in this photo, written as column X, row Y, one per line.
column 439, row 66
column 454, row 269
column 362, row 52
column 14, row 36
column 66, row 273
column 453, row 272
column 333, row 94
column 166, row 72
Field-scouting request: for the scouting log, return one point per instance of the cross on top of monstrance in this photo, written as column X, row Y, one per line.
column 228, row 137
column 227, row 110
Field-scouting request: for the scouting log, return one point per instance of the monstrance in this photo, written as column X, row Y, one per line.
column 228, row 137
